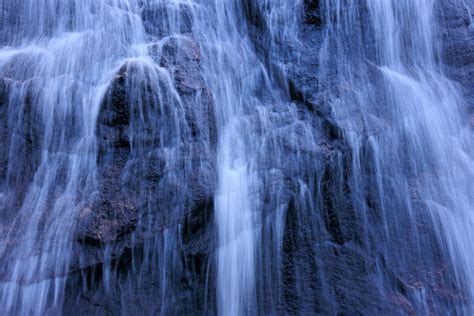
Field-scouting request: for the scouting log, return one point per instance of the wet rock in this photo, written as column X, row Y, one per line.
column 3, row 128
column 107, row 221
column 157, row 181
column 182, row 56
column 114, row 117
column 21, row 128
column 457, row 31
column 162, row 19
column 113, row 214
column 312, row 12
column 157, row 138
column 144, row 157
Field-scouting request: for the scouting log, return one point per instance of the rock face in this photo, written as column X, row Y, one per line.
column 147, row 243
column 457, row 30
column 156, row 177
column 332, row 255
column 138, row 157
column 329, row 256
column 162, row 19
column 20, row 124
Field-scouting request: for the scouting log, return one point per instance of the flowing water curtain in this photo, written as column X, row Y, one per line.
column 259, row 129
column 227, row 56
column 65, row 62
column 75, row 50
column 56, row 59
column 399, row 110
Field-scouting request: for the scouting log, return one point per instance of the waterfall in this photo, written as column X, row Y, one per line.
column 227, row 57
column 238, row 79
column 232, row 157
column 394, row 101
column 56, row 59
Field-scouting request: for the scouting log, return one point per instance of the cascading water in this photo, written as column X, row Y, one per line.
column 244, row 95
column 391, row 86
column 231, row 157
column 56, row 59
column 235, row 201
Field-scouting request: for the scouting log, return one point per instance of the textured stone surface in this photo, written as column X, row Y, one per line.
column 332, row 245
column 457, row 32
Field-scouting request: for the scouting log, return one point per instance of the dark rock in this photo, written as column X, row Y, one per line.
column 336, row 250
column 312, row 12
column 162, row 19
column 4, row 148
column 181, row 55
column 21, row 129
column 144, row 158
column 457, row 31
column 107, row 222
